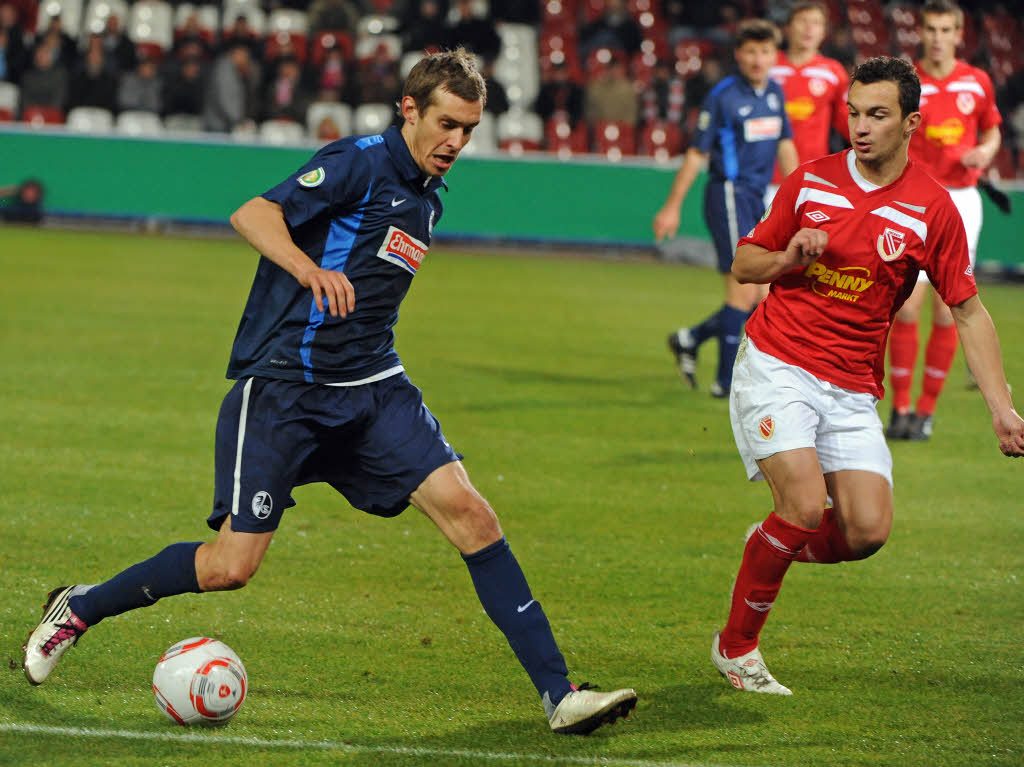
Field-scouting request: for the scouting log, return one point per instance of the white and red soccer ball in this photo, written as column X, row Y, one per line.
column 199, row 681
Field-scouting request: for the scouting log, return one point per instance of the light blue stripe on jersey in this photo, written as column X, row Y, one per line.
column 730, row 164
column 340, row 238
column 366, row 141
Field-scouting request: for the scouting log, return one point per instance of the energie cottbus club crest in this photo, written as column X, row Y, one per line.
column 767, row 427
column 890, row 244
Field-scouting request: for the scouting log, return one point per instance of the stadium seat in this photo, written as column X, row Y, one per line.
column 614, row 139
column 286, row 27
column 340, row 113
column 252, row 11
column 366, row 47
column 485, row 138
column 90, row 120
column 8, row 100
column 407, row 62
column 281, row 132
column 96, row 12
column 661, row 139
column 376, row 24
column 518, row 130
column 151, row 27
column 565, row 141
column 70, row 12
column 207, row 15
column 371, row 119
column 516, row 66
column 327, row 40
column 134, row 122
column 38, row 115
column 183, row 123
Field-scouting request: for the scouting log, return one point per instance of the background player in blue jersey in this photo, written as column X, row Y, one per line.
column 742, row 128
column 321, row 395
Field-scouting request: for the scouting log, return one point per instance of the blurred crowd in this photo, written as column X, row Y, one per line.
column 618, row 77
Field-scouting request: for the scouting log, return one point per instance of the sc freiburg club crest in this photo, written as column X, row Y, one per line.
column 890, row 244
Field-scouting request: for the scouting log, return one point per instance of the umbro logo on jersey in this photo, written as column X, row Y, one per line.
column 395, row 202
column 818, row 216
column 969, row 271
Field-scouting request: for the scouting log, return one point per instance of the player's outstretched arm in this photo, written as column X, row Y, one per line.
column 666, row 220
column 753, row 263
column 981, row 348
column 262, row 224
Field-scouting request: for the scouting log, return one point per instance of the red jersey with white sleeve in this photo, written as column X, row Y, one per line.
column 832, row 318
column 815, row 102
column 953, row 111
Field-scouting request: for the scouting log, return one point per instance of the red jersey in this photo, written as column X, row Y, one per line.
column 953, row 111
column 815, row 101
column 832, row 318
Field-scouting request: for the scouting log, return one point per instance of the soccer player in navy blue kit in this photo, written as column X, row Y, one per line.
column 321, row 396
column 743, row 128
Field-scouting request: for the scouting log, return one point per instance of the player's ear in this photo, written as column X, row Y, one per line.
column 911, row 123
column 409, row 110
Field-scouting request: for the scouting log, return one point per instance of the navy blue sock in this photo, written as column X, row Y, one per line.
column 506, row 598
column 172, row 571
column 709, row 328
column 729, row 342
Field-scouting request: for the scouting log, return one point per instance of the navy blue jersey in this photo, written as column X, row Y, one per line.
column 740, row 128
column 360, row 206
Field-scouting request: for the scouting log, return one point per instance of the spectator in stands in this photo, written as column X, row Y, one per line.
column 241, row 33
column 560, row 95
column 497, row 98
column 186, row 83
column 699, row 19
column 698, row 86
column 335, row 81
column 665, row 97
column 142, row 89
column 93, row 84
column 286, row 97
column 474, row 32
column 378, row 81
column 335, row 15
column 45, row 84
column 55, row 38
column 191, row 38
column 13, row 52
column 230, row 100
column 610, row 95
column 422, row 26
column 121, row 54
column 615, row 28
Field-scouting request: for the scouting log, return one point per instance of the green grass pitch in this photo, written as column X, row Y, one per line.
column 620, row 492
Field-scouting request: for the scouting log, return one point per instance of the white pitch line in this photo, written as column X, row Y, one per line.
column 327, row 745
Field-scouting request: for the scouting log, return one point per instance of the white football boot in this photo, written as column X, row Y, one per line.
column 747, row 672
column 57, row 631
column 583, row 709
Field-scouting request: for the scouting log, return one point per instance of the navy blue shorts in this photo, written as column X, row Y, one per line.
column 373, row 443
column 730, row 212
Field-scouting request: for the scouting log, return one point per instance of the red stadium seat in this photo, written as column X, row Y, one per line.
column 661, row 139
column 39, row 115
column 282, row 43
column 1004, row 164
column 564, row 140
column 614, row 139
column 328, row 40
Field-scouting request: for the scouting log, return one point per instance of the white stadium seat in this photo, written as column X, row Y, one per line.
column 70, row 12
column 183, row 123
column 372, row 118
column 366, row 47
column 209, row 16
column 252, row 11
column 9, row 93
column 96, row 13
column 407, row 62
column 485, row 137
column 90, row 120
column 516, row 66
column 520, row 124
column 340, row 113
column 135, row 122
column 150, row 21
column 281, row 132
column 287, row 20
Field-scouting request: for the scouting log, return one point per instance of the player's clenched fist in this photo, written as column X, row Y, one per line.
column 806, row 246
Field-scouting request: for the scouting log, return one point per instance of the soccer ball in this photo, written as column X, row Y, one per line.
column 199, row 681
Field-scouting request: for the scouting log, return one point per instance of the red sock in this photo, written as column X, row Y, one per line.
column 938, row 359
column 827, row 545
column 902, row 358
column 769, row 553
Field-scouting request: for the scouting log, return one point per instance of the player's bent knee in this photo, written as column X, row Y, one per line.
column 866, row 543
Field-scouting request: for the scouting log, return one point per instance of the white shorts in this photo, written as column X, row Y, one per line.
column 968, row 201
column 775, row 406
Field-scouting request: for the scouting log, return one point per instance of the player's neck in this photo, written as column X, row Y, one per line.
column 800, row 56
column 940, row 70
column 884, row 172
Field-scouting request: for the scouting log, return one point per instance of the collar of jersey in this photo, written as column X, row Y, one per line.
column 407, row 167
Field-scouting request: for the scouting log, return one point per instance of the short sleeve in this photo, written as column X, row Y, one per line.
column 708, row 123
column 780, row 220
column 948, row 263
column 335, row 178
column 990, row 117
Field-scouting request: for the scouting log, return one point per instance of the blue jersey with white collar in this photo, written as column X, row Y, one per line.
column 740, row 129
column 360, row 206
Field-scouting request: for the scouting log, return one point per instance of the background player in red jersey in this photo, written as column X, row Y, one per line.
column 841, row 246
column 815, row 86
column 958, row 138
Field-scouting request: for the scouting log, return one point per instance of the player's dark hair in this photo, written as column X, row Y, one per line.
column 941, row 7
column 757, row 30
column 806, row 5
column 454, row 71
column 898, row 71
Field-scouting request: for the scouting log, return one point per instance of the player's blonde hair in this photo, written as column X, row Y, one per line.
column 454, row 71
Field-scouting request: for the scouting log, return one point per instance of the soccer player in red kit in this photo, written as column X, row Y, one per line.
column 958, row 138
column 815, row 86
column 841, row 246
